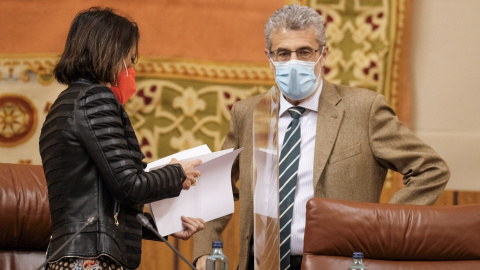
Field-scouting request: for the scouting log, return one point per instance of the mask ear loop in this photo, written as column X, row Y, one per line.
column 125, row 64
column 320, row 55
column 319, row 75
column 274, row 71
column 270, row 59
column 319, row 60
column 115, row 76
column 272, row 62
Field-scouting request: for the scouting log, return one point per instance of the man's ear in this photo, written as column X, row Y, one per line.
column 272, row 67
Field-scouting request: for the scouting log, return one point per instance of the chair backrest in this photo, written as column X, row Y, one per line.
column 391, row 236
column 25, row 224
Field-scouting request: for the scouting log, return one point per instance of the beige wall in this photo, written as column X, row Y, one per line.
column 445, row 78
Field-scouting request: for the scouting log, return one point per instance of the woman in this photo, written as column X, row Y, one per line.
column 91, row 156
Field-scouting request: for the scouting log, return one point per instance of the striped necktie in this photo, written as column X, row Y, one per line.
column 288, row 169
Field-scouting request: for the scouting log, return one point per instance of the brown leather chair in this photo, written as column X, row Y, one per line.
column 391, row 237
column 25, row 225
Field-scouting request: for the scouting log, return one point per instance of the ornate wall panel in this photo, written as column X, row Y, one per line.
column 170, row 115
column 363, row 38
column 27, row 90
column 178, row 104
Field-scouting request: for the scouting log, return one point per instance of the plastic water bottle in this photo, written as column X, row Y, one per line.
column 216, row 260
column 357, row 262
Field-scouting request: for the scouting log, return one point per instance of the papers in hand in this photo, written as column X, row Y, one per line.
column 211, row 198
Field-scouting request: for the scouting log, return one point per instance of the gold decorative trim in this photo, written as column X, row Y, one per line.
column 298, row 2
column 205, row 71
column 16, row 67
column 397, row 25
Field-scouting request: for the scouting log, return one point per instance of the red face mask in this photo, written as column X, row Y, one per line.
column 125, row 87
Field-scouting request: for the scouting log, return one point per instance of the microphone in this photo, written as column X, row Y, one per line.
column 91, row 219
column 144, row 221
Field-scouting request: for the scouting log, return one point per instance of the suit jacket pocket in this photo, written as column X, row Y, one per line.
column 344, row 154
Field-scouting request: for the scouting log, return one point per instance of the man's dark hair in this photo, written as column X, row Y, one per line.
column 97, row 42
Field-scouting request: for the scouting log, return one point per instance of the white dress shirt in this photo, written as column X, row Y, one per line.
column 304, row 188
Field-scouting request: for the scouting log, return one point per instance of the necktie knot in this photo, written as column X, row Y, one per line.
column 296, row 112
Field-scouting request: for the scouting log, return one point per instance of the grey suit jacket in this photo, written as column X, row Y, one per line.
column 358, row 139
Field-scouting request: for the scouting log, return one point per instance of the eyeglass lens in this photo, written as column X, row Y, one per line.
column 302, row 54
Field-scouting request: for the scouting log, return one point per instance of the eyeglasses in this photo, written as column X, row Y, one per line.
column 305, row 54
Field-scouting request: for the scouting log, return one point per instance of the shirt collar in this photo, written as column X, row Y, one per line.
column 310, row 104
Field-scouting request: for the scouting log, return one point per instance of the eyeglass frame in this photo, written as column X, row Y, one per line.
column 295, row 51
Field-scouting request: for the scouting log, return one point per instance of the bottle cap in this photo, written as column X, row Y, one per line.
column 217, row 244
column 357, row 255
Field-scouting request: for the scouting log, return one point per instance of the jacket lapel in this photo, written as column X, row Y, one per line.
column 329, row 118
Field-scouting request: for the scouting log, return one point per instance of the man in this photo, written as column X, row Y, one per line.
column 348, row 139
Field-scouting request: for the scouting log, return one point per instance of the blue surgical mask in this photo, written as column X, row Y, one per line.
column 296, row 79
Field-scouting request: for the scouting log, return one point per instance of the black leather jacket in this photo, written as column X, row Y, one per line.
column 93, row 164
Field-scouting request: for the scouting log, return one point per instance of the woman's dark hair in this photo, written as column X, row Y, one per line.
column 97, row 42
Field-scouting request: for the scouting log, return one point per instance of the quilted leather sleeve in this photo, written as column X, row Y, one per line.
column 109, row 139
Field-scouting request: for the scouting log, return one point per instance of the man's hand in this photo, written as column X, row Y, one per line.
column 190, row 171
column 191, row 226
column 202, row 262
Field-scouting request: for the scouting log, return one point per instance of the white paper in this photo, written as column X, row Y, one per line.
column 192, row 152
column 211, row 198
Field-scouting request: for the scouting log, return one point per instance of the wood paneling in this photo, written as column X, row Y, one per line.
column 454, row 197
column 448, row 197
column 157, row 255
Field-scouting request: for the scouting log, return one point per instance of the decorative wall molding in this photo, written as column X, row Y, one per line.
column 16, row 67
column 236, row 73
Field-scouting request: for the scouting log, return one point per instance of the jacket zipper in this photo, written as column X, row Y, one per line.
column 116, row 211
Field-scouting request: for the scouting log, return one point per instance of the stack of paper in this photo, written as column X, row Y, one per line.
column 211, row 198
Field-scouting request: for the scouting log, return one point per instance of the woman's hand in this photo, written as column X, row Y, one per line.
column 191, row 226
column 190, row 171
